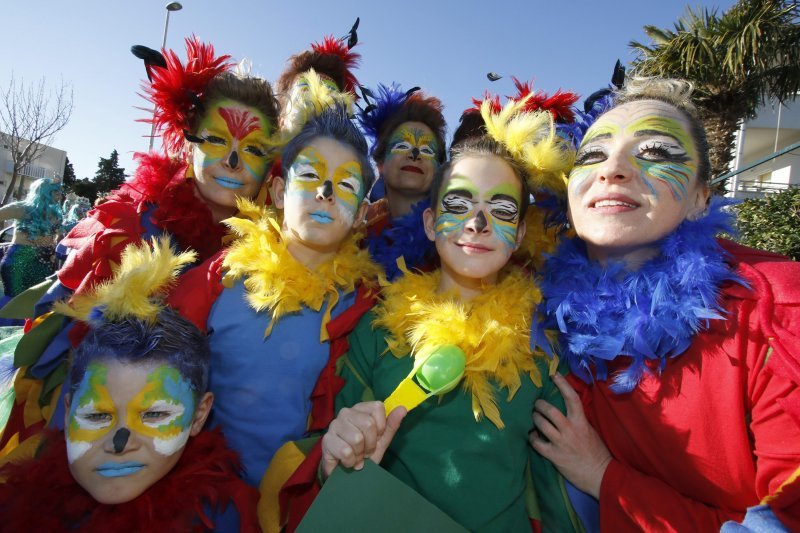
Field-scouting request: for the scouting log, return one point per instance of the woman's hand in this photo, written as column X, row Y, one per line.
column 570, row 442
column 357, row 433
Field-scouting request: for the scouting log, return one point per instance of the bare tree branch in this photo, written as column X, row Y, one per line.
column 30, row 117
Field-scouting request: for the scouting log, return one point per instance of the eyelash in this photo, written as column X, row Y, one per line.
column 154, row 415
column 584, row 157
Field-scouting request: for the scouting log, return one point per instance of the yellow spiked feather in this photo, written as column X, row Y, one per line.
column 530, row 137
column 145, row 272
column 317, row 98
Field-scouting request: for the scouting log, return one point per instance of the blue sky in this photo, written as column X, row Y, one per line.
column 444, row 46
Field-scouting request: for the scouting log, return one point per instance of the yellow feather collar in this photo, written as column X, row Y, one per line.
column 275, row 281
column 493, row 330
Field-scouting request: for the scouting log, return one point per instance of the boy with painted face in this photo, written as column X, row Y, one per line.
column 407, row 131
column 465, row 451
column 286, row 290
column 133, row 443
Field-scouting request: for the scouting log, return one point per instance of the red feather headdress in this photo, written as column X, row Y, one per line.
column 494, row 100
column 337, row 47
column 559, row 105
column 176, row 89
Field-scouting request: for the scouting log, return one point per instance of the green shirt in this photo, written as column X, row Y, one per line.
column 476, row 473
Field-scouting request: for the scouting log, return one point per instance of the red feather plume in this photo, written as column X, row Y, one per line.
column 332, row 46
column 173, row 89
column 559, row 105
column 478, row 102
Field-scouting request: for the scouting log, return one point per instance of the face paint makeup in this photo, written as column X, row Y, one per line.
column 477, row 218
column 234, row 154
column 324, row 192
column 92, row 412
column 134, row 421
column 308, row 177
column 634, row 180
column 461, row 201
column 163, row 410
column 411, row 159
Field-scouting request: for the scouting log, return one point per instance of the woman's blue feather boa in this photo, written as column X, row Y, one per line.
column 650, row 314
column 405, row 236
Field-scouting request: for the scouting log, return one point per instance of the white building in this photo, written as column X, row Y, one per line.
column 49, row 164
column 776, row 129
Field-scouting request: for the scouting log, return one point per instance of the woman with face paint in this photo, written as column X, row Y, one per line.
column 465, row 451
column 684, row 348
column 287, row 291
column 407, row 132
column 30, row 257
column 133, row 455
column 218, row 130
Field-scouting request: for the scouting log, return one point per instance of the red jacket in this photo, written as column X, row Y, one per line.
column 719, row 429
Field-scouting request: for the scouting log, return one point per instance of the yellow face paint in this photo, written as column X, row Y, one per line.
column 92, row 413
column 310, row 171
column 405, row 139
column 229, row 127
column 163, row 410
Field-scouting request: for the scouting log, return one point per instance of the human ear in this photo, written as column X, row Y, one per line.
column 429, row 221
column 277, row 190
column 201, row 413
column 699, row 202
column 520, row 234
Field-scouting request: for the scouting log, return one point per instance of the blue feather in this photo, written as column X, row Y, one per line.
column 603, row 312
column 404, row 237
column 388, row 101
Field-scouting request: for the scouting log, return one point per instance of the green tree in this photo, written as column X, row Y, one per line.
column 772, row 223
column 68, row 177
column 737, row 61
column 86, row 188
column 109, row 175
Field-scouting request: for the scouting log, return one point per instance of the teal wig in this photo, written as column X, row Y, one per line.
column 42, row 213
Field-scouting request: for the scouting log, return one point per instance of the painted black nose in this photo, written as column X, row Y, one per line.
column 480, row 222
column 327, row 189
column 120, row 439
column 415, row 153
column 233, row 160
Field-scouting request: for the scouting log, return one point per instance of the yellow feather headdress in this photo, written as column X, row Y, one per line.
column 315, row 99
column 530, row 138
column 145, row 272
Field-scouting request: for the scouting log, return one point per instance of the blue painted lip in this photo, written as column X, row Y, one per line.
column 228, row 183
column 118, row 469
column 322, row 217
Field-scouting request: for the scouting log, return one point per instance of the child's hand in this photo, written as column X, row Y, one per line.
column 361, row 432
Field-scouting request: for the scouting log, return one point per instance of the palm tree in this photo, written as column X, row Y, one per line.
column 738, row 60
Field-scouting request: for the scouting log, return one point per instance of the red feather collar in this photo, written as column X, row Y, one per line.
column 161, row 181
column 41, row 495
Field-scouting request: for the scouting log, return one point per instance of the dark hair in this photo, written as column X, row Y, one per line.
column 471, row 124
column 170, row 339
column 335, row 124
column 417, row 108
column 482, row 146
column 250, row 91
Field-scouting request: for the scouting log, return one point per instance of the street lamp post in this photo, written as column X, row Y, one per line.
column 172, row 6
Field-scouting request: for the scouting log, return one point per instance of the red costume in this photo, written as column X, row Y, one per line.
column 41, row 494
column 718, row 430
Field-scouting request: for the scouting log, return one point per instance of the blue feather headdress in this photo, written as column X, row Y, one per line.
column 651, row 314
column 389, row 100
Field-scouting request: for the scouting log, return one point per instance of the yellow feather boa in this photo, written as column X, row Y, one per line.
column 493, row 330
column 277, row 282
